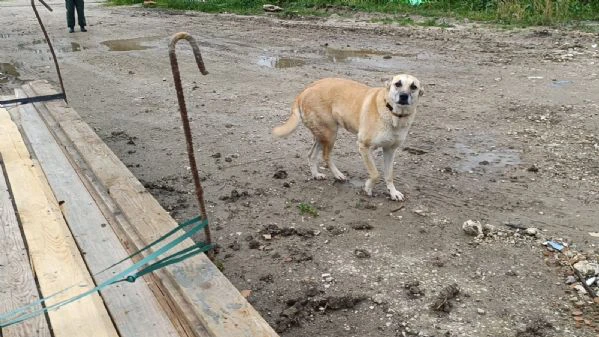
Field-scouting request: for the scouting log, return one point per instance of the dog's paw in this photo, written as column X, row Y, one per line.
column 319, row 176
column 340, row 177
column 368, row 189
column 396, row 196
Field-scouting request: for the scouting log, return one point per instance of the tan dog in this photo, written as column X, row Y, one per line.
column 380, row 116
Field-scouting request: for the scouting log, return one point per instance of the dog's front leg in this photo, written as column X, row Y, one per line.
column 373, row 173
column 389, row 156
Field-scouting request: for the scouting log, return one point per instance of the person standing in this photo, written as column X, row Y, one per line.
column 71, row 6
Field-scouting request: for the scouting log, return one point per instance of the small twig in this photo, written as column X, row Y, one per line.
column 584, row 283
column 514, row 226
column 398, row 209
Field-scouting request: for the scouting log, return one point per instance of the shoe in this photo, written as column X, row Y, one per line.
column 71, row 30
column 83, row 29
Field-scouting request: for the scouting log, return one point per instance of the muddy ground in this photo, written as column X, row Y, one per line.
column 507, row 134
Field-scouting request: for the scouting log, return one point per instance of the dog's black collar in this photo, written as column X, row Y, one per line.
column 389, row 107
column 393, row 113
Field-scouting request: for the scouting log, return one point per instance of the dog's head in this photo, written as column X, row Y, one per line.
column 404, row 91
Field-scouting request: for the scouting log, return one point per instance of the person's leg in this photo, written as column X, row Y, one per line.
column 70, row 4
column 80, row 14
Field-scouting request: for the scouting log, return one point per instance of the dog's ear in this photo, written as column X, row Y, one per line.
column 388, row 84
column 421, row 91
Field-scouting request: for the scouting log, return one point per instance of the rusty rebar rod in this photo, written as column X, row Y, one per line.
column 39, row 20
column 185, row 120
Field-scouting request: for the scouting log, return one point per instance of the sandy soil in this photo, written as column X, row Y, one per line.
column 506, row 134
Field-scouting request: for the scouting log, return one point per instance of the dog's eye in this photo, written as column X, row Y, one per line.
column 413, row 86
column 398, row 84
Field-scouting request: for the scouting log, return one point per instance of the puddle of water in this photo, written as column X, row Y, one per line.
column 560, row 83
column 344, row 55
column 43, row 50
column 75, row 47
column 8, row 73
column 280, row 62
column 129, row 44
column 494, row 159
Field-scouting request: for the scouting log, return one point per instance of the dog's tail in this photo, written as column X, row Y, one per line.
column 291, row 124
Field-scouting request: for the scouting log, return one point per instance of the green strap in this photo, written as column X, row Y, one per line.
column 155, row 242
column 162, row 238
column 174, row 258
column 18, row 315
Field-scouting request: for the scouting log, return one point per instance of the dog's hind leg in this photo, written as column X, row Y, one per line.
column 389, row 155
column 373, row 173
column 313, row 160
column 327, row 148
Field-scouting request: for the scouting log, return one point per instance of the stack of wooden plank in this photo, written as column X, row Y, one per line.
column 69, row 208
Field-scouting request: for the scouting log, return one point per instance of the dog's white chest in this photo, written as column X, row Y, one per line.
column 391, row 137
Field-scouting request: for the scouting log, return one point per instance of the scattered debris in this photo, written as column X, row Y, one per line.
column 481, row 311
column 397, row 209
column 312, row 291
column 586, row 268
column 271, row 8
column 443, row 301
column 531, row 231
column 361, row 253
column 555, row 245
column 413, row 150
column 234, row 196
column 538, row 327
column 489, row 229
column 268, row 278
column 274, row 230
column 360, row 225
column 326, row 277
column 365, row 204
column 246, row 293
column 571, row 279
column 533, row 169
column 335, row 230
column 420, row 212
column 472, row 228
column 515, row 226
column 280, row 174
column 379, row 299
column 414, row 290
column 340, row 302
column 235, row 245
column 254, row 244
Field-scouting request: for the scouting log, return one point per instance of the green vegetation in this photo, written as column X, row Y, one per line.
column 307, row 209
column 522, row 12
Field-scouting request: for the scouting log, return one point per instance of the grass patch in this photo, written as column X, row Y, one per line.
column 305, row 208
column 520, row 12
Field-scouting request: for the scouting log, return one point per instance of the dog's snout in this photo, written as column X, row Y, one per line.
column 403, row 97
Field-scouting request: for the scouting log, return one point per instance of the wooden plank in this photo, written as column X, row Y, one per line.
column 17, row 283
column 132, row 306
column 56, row 260
column 220, row 307
column 174, row 305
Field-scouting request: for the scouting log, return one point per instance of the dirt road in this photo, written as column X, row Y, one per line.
column 507, row 133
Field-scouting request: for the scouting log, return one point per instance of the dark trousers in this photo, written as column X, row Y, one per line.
column 71, row 6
